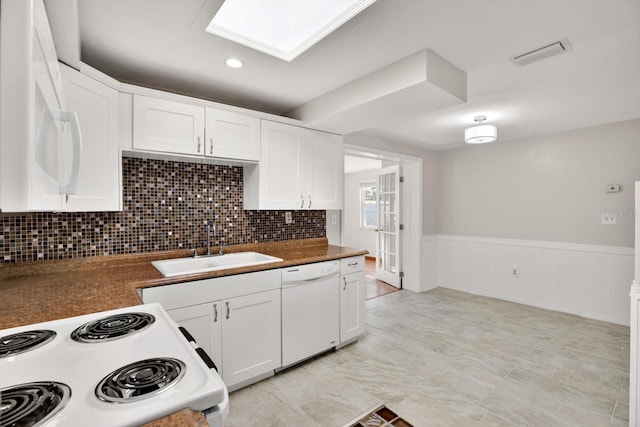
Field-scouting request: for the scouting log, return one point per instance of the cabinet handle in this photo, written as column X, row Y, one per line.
column 199, row 144
column 66, row 198
column 309, row 201
column 227, row 309
column 345, row 283
column 215, row 313
column 301, row 201
column 352, row 264
column 211, row 149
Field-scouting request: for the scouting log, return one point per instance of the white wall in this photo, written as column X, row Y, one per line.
column 548, row 188
column 535, row 204
column 637, row 215
column 353, row 235
column 334, row 231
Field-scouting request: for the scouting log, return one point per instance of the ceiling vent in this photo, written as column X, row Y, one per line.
column 543, row 52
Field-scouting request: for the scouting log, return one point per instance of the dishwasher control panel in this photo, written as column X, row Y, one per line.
column 308, row 272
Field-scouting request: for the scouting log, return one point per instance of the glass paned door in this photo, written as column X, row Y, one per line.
column 388, row 220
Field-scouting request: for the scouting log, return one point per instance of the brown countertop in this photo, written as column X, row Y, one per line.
column 41, row 291
column 184, row 418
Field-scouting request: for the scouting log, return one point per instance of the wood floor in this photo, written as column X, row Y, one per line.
column 447, row 358
column 375, row 288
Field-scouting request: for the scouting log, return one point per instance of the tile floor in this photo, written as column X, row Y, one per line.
column 447, row 358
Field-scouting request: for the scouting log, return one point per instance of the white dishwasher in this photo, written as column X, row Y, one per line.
column 310, row 310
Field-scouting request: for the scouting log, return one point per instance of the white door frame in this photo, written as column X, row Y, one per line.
column 411, row 210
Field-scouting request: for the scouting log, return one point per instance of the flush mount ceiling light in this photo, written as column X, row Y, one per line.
column 282, row 28
column 234, row 63
column 480, row 134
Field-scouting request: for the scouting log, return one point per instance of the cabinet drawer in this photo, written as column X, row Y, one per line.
column 351, row 265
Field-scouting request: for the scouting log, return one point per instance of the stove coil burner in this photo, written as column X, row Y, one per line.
column 32, row 404
column 112, row 327
column 21, row 342
column 140, row 380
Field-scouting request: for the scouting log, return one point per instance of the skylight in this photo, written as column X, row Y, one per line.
column 282, row 28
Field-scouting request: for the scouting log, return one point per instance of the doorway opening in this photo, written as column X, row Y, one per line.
column 382, row 215
column 375, row 287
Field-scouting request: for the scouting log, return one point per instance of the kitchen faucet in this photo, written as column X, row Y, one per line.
column 210, row 225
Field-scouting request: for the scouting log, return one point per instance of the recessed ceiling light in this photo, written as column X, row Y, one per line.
column 234, row 63
column 282, row 28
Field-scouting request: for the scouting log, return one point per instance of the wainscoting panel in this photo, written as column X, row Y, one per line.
column 588, row 280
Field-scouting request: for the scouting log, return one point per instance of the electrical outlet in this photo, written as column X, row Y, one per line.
column 515, row 272
column 609, row 218
column 334, row 219
column 287, row 218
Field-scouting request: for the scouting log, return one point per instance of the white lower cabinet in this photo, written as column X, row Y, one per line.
column 235, row 319
column 241, row 335
column 204, row 324
column 352, row 299
column 250, row 336
column 250, row 327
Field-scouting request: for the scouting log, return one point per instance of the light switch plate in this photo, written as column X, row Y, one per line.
column 287, row 218
column 612, row 188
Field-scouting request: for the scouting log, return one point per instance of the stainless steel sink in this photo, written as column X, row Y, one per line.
column 180, row 266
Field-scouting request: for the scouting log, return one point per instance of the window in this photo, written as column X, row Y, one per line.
column 368, row 209
column 283, row 28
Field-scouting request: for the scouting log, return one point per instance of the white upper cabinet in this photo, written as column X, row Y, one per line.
column 299, row 169
column 231, row 135
column 96, row 105
column 325, row 185
column 178, row 128
column 280, row 169
column 167, row 126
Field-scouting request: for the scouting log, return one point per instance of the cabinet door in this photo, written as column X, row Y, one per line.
column 352, row 306
column 204, row 323
column 325, row 169
column 251, row 336
column 167, row 126
column 96, row 104
column 281, row 168
column 231, row 135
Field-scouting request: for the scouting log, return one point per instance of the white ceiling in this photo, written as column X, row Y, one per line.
column 360, row 164
column 162, row 44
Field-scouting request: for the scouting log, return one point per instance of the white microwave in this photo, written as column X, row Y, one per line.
column 40, row 142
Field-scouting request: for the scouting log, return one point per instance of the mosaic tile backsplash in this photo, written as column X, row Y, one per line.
column 166, row 204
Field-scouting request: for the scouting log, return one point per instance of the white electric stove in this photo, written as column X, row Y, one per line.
column 121, row 367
